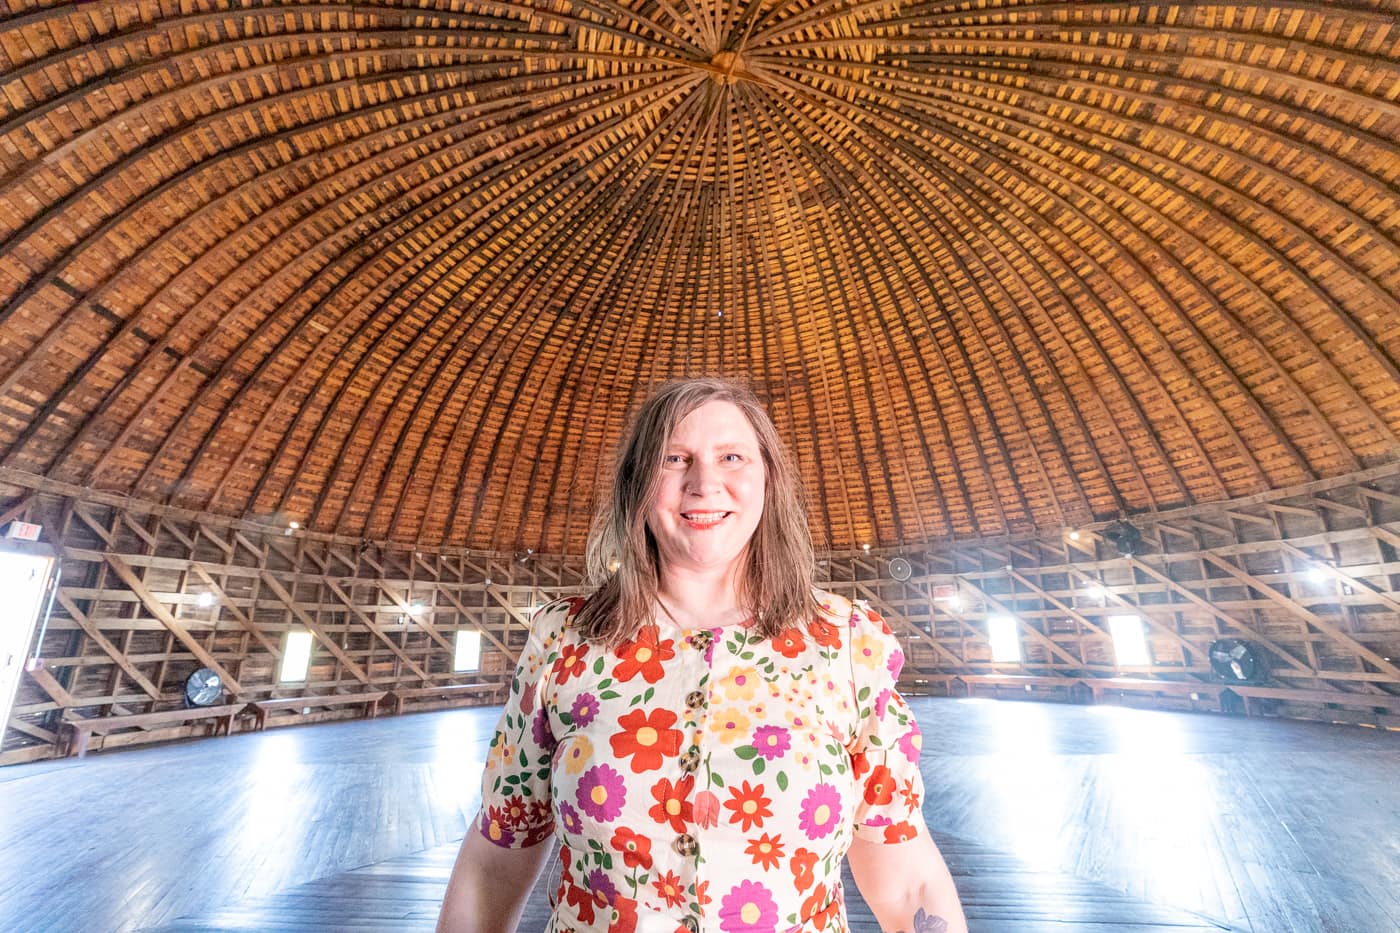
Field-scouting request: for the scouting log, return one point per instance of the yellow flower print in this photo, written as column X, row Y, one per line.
column 869, row 651
column 729, row 725
column 576, row 754
column 740, row 684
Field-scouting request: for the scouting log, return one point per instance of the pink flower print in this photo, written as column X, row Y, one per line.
column 601, row 793
column 771, row 741
column 584, row 709
column 527, row 697
column 911, row 742
column 895, row 663
column 706, row 809
column 821, row 811
column 748, row 908
column 882, row 701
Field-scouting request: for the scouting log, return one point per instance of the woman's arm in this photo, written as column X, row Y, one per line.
column 907, row 885
column 489, row 885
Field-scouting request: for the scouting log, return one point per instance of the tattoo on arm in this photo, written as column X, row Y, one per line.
column 924, row 923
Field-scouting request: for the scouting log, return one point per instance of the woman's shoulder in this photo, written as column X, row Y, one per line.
column 856, row 614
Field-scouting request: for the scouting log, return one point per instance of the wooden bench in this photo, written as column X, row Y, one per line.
column 1121, row 685
column 1369, row 701
column 493, row 688
column 261, row 709
column 1026, row 683
column 913, row 684
column 80, row 730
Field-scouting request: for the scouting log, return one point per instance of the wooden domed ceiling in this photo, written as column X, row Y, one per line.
column 402, row 269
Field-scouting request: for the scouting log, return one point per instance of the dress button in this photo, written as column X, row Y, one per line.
column 685, row 845
column 690, row 760
column 695, row 699
column 702, row 640
column 691, row 924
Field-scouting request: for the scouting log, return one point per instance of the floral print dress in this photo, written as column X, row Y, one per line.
column 704, row 779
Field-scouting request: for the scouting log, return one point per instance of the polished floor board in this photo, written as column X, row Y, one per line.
column 1077, row 819
column 403, row 894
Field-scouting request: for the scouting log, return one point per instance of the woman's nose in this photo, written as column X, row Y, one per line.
column 701, row 478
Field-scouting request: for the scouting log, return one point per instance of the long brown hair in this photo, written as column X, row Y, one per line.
column 623, row 561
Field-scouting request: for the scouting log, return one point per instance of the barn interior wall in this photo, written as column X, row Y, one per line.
column 1310, row 576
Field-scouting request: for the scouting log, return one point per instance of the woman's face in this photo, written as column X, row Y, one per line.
column 710, row 497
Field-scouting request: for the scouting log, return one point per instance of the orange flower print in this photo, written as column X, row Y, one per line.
column 648, row 738
column 672, row 805
column 880, row 786
column 898, row 832
column 644, row 656
column 766, row 851
column 789, row 644
column 749, row 805
column 801, row 865
column 669, row 887
column 570, row 663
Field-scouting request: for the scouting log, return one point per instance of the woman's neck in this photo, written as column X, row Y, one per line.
column 702, row 600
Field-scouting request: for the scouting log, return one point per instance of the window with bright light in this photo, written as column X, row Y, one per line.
column 296, row 657
column 1129, row 641
column 466, row 655
column 1006, row 646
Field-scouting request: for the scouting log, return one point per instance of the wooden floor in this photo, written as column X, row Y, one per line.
column 1052, row 818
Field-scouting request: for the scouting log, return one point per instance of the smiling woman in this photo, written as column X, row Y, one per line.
column 708, row 736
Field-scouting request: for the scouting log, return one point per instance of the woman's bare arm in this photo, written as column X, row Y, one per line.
column 489, row 885
column 907, row 885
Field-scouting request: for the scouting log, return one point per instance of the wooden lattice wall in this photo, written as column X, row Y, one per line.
column 127, row 627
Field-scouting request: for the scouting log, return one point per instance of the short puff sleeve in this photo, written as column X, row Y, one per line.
column 885, row 750
column 515, row 803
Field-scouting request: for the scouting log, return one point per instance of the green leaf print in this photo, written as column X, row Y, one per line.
column 609, row 695
column 746, row 752
column 598, row 666
column 782, row 780
column 758, row 765
column 716, row 780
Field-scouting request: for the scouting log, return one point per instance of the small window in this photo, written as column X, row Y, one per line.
column 467, row 653
column 296, row 657
column 1129, row 641
column 1006, row 645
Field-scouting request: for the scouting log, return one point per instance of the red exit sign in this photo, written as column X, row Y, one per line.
column 23, row 531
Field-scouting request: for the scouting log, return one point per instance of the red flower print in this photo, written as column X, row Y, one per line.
column 801, row 865
column 570, row 663
column 644, row 656
column 824, row 633
column 859, row 764
column 820, row 907
column 880, row 786
column 749, row 805
column 874, row 616
column 702, row 893
column 635, row 849
column 706, row 809
column 648, row 737
column 766, row 851
column 581, row 899
column 898, row 832
column 789, row 644
column 669, row 887
column 671, row 803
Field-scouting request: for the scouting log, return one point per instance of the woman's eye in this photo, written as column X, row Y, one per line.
column 673, row 459
column 732, row 458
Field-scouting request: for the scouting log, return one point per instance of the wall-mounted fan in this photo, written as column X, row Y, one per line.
column 1236, row 662
column 1125, row 538
column 203, row 688
column 900, row 569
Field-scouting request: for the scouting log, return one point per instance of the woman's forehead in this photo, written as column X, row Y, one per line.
column 716, row 422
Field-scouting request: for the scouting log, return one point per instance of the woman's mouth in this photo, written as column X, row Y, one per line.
column 703, row 520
